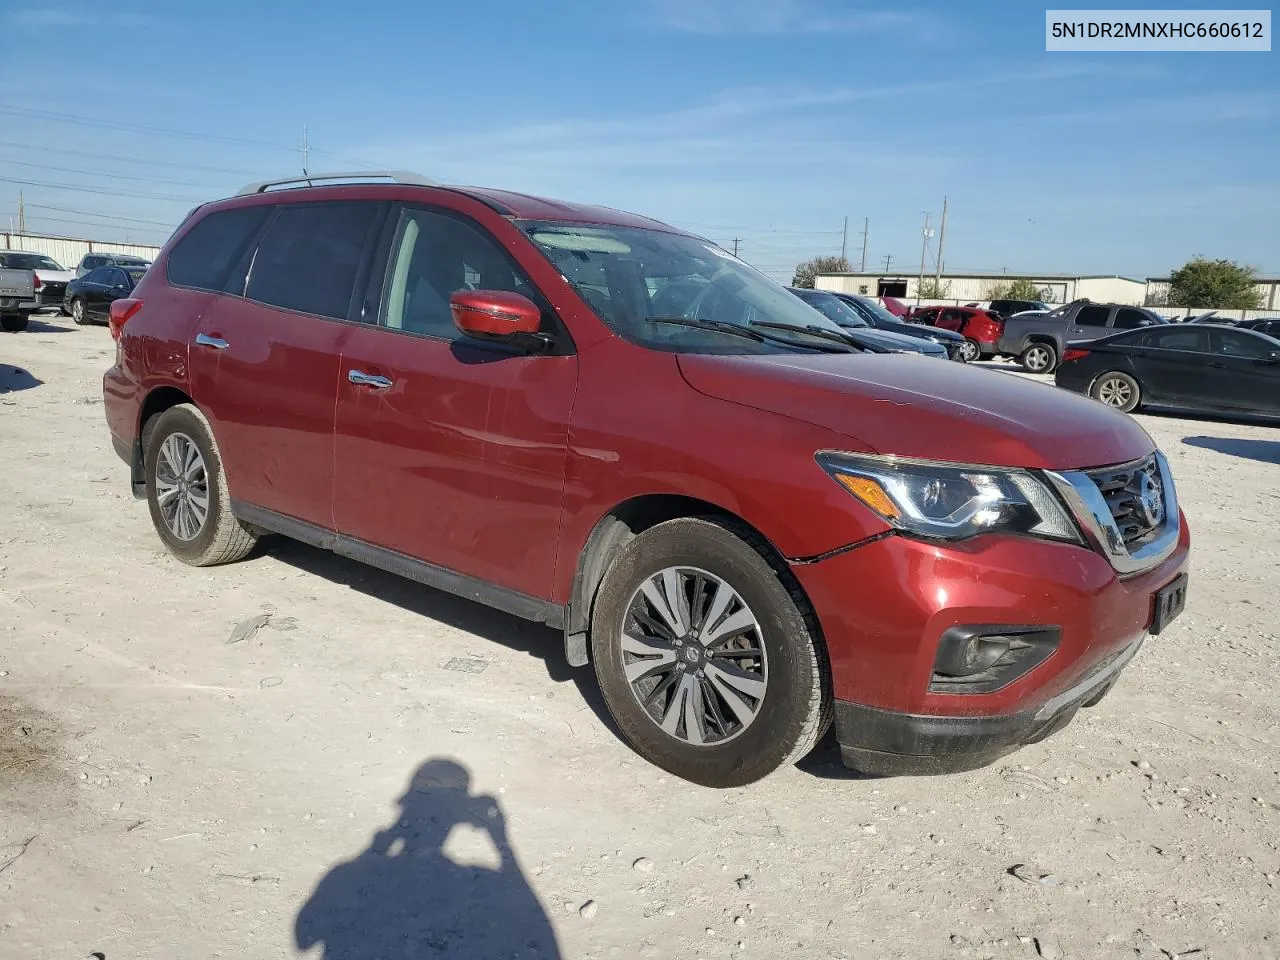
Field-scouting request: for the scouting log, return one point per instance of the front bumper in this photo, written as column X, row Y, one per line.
column 884, row 743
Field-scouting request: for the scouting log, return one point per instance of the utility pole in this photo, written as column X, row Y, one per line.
column 844, row 240
column 735, row 241
column 887, row 258
column 942, row 238
column 22, row 214
column 866, row 222
column 306, row 150
column 924, row 249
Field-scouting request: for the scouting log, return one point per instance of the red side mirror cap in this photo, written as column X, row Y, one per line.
column 494, row 313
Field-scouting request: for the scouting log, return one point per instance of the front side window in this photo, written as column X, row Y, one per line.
column 1178, row 339
column 309, row 257
column 436, row 255
column 206, row 254
column 97, row 276
column 632, row 277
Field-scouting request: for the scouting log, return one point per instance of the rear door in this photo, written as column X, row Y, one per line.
column 1089, row 323
column 952, row 318
column 265, row 358
column 1174, row 367
column 1252, row 380
column 450, row 450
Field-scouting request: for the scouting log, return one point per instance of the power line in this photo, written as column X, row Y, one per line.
column 104, row 216
column 41, row 218
column 104, row 193
column 76, row 120
column 96, row 173
column 123, row 159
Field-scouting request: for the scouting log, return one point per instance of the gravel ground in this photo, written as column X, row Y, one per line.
column 253, row 760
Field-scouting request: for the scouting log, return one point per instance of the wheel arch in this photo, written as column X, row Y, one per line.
column 623, row 523
column 157, row 402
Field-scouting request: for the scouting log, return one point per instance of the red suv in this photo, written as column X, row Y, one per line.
column 981, row 329
column 591, row 419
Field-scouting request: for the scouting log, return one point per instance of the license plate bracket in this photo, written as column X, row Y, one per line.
column 1168, row 602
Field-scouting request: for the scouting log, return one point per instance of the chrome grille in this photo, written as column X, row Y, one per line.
column 1135, row 495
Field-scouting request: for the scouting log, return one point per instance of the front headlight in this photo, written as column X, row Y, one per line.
column 952, row 501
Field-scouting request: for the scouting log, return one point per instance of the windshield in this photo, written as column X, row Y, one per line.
column 880, row 313
column 124, row 261
column 834, row 309
column 630, row 275
column 27, row 261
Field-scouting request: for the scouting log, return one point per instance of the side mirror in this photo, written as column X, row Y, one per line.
column 495, row 314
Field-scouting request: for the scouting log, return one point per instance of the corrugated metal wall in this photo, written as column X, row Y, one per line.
column 67, row 251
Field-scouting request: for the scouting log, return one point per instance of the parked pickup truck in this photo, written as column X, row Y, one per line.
column 18, row 298
column 1039, row 340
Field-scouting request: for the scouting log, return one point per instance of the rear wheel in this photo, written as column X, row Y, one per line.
column 187, row 491
column 1118, row 390
column 77, row 311
column 1040, row 358
column 14, row 322
column 705, row 658
column 970, row 350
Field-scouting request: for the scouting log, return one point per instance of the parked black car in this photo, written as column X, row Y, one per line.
column 880, row 318
column 90, row 297
column 1268, row 325
column 1211, row 367
column 861, row 332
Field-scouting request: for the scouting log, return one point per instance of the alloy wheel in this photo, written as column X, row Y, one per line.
column 77, row 311
column 969, row 350
column 1115, row 392
column 1037, row 359
column 694, row 656
column 182, row 486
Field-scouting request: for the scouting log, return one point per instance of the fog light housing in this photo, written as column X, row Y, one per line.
column 983, row 658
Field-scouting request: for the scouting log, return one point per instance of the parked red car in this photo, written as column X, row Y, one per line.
column 981, row 329
column 594, row 420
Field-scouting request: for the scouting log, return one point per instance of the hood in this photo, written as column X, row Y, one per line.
column 920, row 331
column 885, row 341
column 55, row 276
column 939, row 411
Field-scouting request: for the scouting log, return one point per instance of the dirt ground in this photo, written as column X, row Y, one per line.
column 384, row 771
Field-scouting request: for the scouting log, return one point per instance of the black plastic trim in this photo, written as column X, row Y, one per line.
column 1042, row 641
column 510, row 601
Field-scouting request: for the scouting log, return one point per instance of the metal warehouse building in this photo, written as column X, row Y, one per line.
column 1054, row 287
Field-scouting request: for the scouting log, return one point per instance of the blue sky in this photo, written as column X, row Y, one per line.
column 765, row 120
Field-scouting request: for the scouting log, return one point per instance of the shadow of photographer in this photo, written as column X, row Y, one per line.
column 404, row 897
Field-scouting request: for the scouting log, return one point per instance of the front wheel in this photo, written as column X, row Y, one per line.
column 1039, row 358
column 77, row 311
column 970, row 351
column 705, row 656
column 187, row 491
column 1118, row 390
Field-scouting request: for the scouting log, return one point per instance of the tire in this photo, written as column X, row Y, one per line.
column 77, row 311
column 14, row 322
column 1117, row 390
column 62, row 310
column 219, row 537
column 970, row 350
column 780, row 645
column 1040, row 358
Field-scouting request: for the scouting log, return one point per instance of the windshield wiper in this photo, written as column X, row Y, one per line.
column 813, row 330
column 719, row 326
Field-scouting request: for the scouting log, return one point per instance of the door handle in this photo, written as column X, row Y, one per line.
column 1217, row 364
column 204, row 340
column 363, row 379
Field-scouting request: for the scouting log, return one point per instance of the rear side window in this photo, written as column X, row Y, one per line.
column 1131, row 319
column 205, row 256
column 1093, row 316
column 309, row 257
column 1175, row 338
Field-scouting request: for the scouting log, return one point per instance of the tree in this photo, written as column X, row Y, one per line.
column 1217, row 284
column 931, row 289
column 1020, row 289
column 805, row 272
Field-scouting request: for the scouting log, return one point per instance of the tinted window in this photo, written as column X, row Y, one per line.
column 1234, row 344
column 136, row 274
column 116, row 278
column 97, row 276
column 1130, row 319
column 1093, row 316
column 434, row 256
column 91, row 263
column 1174, row 338
column 309, row 257
column 833, row 308
column 203, row 258
column 27, row 261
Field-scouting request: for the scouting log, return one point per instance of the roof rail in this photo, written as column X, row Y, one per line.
column 395, row 176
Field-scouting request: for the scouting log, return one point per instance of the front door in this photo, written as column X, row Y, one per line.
column 1252, row 381
column 265, row 365
column 449, row 450
column 1175, row 368
column 1089, row 323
